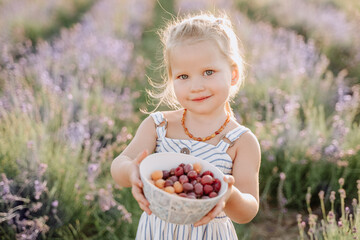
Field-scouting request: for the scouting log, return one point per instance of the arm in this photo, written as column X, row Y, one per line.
column 243, row 203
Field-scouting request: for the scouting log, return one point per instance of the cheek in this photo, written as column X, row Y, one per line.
column 177, row 89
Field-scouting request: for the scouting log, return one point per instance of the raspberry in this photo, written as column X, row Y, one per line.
column 179, row 171
column 207, row 179
column 208, row 189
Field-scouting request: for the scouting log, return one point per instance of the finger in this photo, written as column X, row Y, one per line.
column 141, row 156
column 229, row 179
column 203, row 221
column 139, row 183
column 145, row 208
column 211, row 215
column 142, row 202
column 217, row 209
column 135, row 179
column 139, row 197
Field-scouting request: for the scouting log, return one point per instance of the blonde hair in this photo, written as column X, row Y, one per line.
column 194, row 29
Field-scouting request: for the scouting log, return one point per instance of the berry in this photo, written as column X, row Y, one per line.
column 174, row 178
column 169, row 189
column 179, row 171
column 183, row 179
column 182, row 194
column 188, row 187
column 166, row 174
column 192, row 174
column 197, row 167
column 168, row 183
column 188, row 168
column 191, row 196
column 193, row 182
column 155, row 175
column 207, row 173
column 160, row 183
column 178, row 187
column 207, row 179
column 199, row 189
column 213, row 194
column 216, row 185
column 208, row 189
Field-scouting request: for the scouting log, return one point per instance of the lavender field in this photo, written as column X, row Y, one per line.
column 73, row 76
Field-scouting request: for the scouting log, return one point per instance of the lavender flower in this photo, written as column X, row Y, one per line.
column 54, row 205
column 106, row 200
column 42, row 169
column 93, row 172
column 342, row 193
column 36, row 206
column 332, row 196
column 39, row 188
column 282, row 176
column 340, row 224
column 5, row 185
column 341, row 182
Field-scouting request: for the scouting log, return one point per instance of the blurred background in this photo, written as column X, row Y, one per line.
column 73, row 75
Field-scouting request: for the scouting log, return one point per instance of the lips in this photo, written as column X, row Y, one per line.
column 198, row 99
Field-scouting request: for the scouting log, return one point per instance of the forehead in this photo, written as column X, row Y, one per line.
column 190, row 54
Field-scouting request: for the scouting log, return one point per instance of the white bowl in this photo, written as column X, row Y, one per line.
column 171, row 207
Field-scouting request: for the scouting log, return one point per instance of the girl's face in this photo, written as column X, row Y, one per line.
column 202, row 76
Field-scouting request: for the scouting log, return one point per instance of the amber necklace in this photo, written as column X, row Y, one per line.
column 205, row 138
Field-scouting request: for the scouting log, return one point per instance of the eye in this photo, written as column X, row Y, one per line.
column 208, row 72
column 183, row 77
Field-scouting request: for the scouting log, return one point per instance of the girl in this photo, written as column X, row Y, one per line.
column 204, row 71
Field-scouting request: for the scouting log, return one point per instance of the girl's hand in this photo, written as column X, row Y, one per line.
column 219, row 207
column 137, row 185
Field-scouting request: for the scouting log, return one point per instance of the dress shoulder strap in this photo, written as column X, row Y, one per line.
column 236, row 133
column 232, row 135
column 160, row 122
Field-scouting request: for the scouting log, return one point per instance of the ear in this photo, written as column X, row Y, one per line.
column 234, row 75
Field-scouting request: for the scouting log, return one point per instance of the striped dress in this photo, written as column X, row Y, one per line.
column 152, row 227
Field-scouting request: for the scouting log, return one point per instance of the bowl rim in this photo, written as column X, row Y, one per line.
column 217, row 198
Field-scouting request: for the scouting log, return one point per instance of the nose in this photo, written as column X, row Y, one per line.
column 197, row 85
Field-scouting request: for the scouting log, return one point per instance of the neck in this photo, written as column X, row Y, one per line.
column 207, row 118
column 208, row 126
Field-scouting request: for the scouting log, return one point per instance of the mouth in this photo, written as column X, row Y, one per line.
column 199, row 99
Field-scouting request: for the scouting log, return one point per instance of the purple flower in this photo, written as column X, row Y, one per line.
column 106, row 200
column 55, row 203
column 282, row 176
column 93, row 172
column 39, row 188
